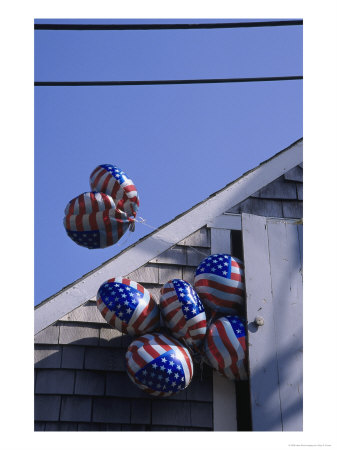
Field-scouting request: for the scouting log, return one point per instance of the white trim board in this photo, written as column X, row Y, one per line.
column 159, row 241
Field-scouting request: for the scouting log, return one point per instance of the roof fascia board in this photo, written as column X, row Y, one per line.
column 138, row 255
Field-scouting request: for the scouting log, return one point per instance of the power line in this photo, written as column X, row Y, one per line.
column 166, row 26
column 160, row 82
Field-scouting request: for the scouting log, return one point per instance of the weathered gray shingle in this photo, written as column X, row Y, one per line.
column 175, row 255
column 188, row 274
column 299, row 191
column 199, row 238
column 200, row 390
column 47, row 356
column 141, row 411
column 55, row 381
column 111, row 410
column 72, row 357
column 61, row 426
column 49, row 335
column 47, row 407
column 118, row 384
column 201, row 414
column 295, row 174
column 292, row 209
column 76, row 409
column 88, row 313
column 104, row 358
column 146, row 274
column 278, row 189
column 167, row 272
column 110, row 337
column 133, row 427
column 196, row 254
column 166, row 412
column 89, row 383
column 39, row 426
column 78, row 334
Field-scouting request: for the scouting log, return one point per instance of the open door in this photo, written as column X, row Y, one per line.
column 273, row 269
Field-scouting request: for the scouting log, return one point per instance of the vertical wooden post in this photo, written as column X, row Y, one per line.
column 224, row 396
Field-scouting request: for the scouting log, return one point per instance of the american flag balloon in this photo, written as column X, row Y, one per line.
column 219, row 281
column 183, row 312
column 113, row 181
column 92, row 220
column 225, row 347
column 128, row 306
column 159, row 364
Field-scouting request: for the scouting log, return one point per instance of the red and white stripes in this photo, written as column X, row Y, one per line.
column 222, row 294
column 225, row 351
column 153, row 347
column 124, row 194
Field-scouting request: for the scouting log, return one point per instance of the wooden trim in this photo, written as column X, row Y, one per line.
column 224, row 395
column 228, row 221
column 139, row 254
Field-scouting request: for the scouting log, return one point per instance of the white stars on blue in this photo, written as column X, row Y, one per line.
column 237, row 325
column 115, row 172
column 189, row 299
column 121, row 299
column 164, row 374
column 89, row 239
column 218, row 264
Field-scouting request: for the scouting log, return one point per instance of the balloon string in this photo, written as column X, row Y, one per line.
column 144, row 222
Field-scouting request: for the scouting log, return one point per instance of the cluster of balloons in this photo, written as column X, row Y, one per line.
column 99, row 218
column 159, row 360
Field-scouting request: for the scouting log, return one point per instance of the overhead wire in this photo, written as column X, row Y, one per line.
column 165, row 26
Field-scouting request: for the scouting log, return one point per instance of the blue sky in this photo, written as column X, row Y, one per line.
column 179, row 144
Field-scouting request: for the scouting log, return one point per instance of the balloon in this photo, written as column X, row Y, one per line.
column 92, row 220
column 225, row 347
column 159, row 364
column 112, row 181
column 219, row 281
column 128, row 306
column 183, row 312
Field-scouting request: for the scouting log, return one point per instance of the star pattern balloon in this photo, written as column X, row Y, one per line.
column 159, row 364
column 128, row 306
column 219, row 281
column 183, row 312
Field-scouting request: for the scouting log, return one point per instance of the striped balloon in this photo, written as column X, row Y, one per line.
column 159, row 365
column 92, row 220
column 128, row 306
column 183, row 312
column 219, row 281
column 225, row 347
column 113, row 181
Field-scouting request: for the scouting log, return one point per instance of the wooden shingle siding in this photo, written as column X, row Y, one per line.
column 176, row 255
column 87, row 313
column 47, row 356
column 281, row 198
column 278, row 189
column 146, row 274
column 85, row 366
column 200, row 238
column 79, row 334
column 49, row 335
column 295, row 174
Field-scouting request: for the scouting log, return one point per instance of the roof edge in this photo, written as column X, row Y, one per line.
column 244, row 186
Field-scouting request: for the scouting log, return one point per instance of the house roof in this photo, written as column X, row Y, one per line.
column 169, row 234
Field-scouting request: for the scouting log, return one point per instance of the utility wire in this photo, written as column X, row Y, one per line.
column 160, row 82
column 166, row 26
